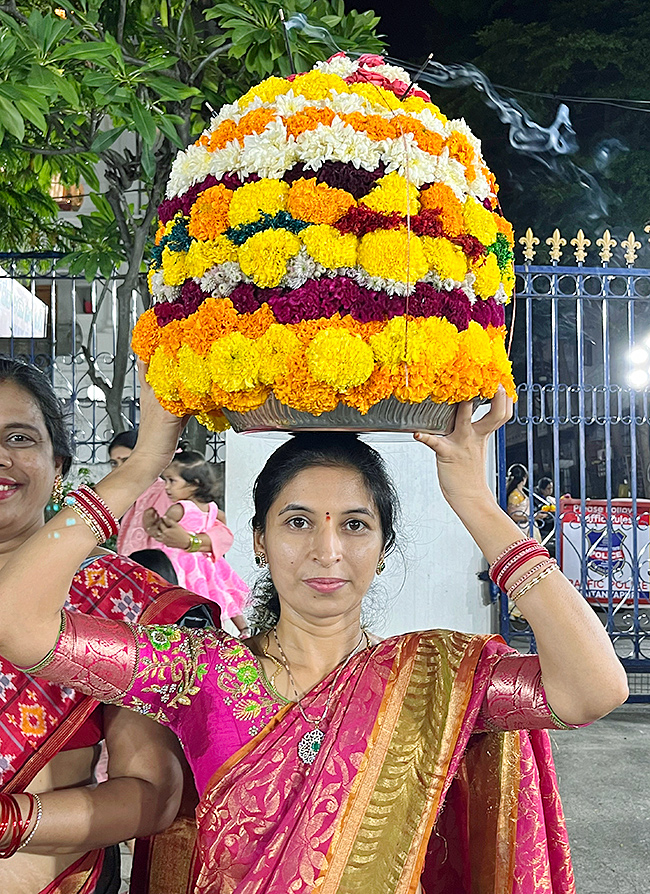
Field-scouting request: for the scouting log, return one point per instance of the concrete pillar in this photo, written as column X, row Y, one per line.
column 430, row 581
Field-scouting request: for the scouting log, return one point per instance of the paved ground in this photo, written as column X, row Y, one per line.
column 604, row 777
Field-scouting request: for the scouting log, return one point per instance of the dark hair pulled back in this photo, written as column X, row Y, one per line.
column 35, row 382
column 516, row 474
column 124, row 439
column 305, row 451
column 195, row 469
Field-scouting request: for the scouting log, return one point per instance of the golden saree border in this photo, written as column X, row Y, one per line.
column 492, row 775
column 80, row 878
column 171, row 865
column 358, row 799
column 382, row 846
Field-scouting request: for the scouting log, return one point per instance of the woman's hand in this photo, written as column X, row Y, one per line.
column 462, row 455
column 159, row 430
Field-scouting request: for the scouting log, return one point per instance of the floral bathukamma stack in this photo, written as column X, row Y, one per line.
column 329, row 255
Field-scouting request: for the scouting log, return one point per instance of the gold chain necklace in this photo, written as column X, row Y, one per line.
column 309, row 745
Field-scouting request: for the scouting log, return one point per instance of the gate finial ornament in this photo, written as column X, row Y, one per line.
column 529, row 241
column 630, row 245
column 581, row 244
column 606, row 244
column 556, row 241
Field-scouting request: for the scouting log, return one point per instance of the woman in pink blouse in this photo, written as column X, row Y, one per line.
column 329, row 760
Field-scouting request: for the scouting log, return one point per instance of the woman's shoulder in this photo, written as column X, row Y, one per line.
column 516, row 497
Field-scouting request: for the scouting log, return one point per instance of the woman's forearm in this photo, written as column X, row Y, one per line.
column 35, row 581
column 583, row 678
column 80, row 819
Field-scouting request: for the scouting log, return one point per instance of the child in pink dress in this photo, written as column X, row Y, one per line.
column 199, row 565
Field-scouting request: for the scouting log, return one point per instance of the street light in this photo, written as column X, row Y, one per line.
column 638, row 376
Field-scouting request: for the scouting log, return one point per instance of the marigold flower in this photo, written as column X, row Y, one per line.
column 442, row 197
column 250, row 200
column 393, row 193
column 339, row 359
column 393, row 254
column 162, row 374
column 275, row 346
column 194, row 371
column 213, row 420
column 488, row 276
column 146, row 335
column 173, row 265
column 209, row 214
column 317, row 202
column 446, row 259
column 297, row 388
column 479, row 221
column 329, row 247
column 203, row 256
column 308, row 119
column 264, row 256
column 234, row 362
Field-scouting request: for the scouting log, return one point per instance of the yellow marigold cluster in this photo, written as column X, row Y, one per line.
column 250, row 200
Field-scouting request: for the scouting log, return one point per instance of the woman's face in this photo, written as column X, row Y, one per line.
column 27, row 464
column 323, row 541
column 176, row 487
column 118, row 456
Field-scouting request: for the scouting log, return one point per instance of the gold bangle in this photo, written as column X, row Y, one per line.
column 195, row 544
column 534, row 582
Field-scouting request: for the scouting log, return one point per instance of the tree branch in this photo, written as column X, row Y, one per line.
column 12, row 10
column 218, row 52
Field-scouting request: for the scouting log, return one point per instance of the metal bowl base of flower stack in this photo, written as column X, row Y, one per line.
column 389, row 415
column 330, row 255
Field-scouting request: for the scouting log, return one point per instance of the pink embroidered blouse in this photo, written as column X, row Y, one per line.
column 161, row 670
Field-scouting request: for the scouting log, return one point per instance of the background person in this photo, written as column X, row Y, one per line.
column 518, row 502
column 50, row 738
column 195, row 539
column 132, row 535
column 296, row 737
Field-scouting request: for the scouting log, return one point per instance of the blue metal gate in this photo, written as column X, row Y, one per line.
column 68, row 327
column 581, row 351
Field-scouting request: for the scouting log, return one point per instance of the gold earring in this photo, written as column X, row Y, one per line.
column 380, row 565
column 260, row 560
column 57, row 491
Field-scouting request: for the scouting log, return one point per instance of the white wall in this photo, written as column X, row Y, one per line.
column 432, row 584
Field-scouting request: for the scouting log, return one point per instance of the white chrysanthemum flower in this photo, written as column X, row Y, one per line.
column 430, row 121
column 269, row 153
column 338, row 142
column 160, row 292
column 467, row 286
column 405, row 156
column 480, row 188
column 288, row 103
column 379, row 284
column 300, row 268
column 339, row 65
column 189, row 167
column 230, row 110
column 226, row 160
column 348, row 103
column 500, row 295
column 221, row 280
column 392, row 72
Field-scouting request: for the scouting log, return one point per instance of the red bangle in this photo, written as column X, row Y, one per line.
column 92, row 509
column 516, row 555
column 13, row 819
column 511, row 567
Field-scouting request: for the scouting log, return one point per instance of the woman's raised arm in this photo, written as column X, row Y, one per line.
column 35, row 581
column 583, row 678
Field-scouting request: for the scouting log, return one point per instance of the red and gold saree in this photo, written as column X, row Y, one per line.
column 38, row 719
